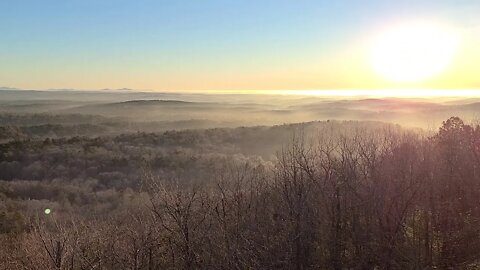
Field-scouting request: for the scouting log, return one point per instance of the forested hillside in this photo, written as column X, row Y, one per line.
column 319, row 195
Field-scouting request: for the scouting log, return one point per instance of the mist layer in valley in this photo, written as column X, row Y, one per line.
column 71, row 112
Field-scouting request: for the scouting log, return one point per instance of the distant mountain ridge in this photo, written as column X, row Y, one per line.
column 154, row 101
column 8, row 88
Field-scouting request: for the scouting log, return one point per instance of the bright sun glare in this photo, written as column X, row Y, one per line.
column 413, row 52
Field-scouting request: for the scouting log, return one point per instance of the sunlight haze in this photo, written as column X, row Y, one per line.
column 246, row 45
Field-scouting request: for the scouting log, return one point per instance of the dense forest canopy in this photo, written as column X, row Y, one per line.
column 317, row 195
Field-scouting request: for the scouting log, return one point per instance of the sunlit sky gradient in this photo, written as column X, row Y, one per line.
column 219, row 45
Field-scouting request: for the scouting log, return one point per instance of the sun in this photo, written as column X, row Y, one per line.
column 413, row 52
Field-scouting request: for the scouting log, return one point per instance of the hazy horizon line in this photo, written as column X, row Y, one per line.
column 347, row 92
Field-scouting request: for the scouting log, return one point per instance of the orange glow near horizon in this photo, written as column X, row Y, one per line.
column 380, row 93
column 402, row 93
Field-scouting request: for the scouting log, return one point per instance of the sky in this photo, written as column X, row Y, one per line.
column 188, row 45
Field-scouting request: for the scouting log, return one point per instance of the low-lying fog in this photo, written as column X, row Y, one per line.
column 114, row 111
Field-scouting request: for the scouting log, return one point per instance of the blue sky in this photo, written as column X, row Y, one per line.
column 163, row 44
